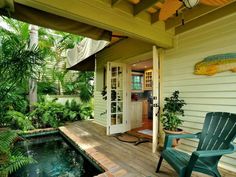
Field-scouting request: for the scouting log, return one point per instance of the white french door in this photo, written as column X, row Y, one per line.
column 116, row 98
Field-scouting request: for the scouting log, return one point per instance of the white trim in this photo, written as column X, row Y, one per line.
column 155, row 91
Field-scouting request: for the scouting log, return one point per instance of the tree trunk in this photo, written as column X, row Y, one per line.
column 33, row 81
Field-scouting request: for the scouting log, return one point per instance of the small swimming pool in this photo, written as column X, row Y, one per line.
column 56, row 158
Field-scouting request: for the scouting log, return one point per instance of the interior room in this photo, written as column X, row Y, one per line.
column 142, row 98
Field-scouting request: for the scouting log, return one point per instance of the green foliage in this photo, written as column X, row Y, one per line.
column 86, row 111
column 18, row 62
column 70, row 88
column 52, row 114
column 83, row 111
column 85, row 85
column 47, row 114
column 46, row 88
column 18, row 121
column 72, row 111
column 171, row 112
column 15, row 100
column 11, row 159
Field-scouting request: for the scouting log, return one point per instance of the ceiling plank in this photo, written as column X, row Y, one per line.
column 188, row 14
column 143, row 5
column 114, row 2
column 214, row 15
column 99, row 13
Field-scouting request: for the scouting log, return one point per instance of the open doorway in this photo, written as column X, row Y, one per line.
column 142, row 98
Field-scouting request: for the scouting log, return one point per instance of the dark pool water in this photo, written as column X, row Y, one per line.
column 55, row 158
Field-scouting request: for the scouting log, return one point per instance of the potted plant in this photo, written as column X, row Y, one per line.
column 170, row 118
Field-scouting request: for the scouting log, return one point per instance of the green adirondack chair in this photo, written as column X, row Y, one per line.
column 215, row 140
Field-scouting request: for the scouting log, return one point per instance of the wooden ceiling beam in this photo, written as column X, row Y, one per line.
column 211, row 16
column 188, row 15
column 99, row 13
column 115, row 2
column 143, row 5
column 155, row 16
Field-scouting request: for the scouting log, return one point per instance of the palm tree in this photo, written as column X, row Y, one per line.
column 18, row 61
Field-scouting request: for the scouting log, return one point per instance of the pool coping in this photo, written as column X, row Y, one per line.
column 39, row 132
column 111, row 168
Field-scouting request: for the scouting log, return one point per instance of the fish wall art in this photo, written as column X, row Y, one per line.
column 216, row 64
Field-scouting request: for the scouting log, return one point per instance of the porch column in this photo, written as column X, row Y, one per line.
column 157, row 57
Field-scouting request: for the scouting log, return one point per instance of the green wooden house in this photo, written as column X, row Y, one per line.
column 161, row 53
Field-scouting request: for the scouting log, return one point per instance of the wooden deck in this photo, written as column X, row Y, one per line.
column 119, row 158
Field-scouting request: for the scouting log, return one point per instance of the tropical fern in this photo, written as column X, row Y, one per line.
column 16, row 161
column 11, row 159
column 6, row 139
column 19, row 121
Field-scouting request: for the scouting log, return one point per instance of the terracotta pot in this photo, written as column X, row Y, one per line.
column 176, row 141
column 179, row 131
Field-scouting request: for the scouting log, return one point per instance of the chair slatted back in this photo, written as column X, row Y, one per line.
column 219, row 130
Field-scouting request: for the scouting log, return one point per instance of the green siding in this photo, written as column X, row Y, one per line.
column 202, row 93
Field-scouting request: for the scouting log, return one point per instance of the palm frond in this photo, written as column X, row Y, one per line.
column 6, row 139
column 15, row 163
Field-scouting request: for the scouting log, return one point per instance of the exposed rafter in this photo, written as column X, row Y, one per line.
column 155, row 16
column 143, row 5
column 114, row 2
column 188, row 15
column 211, row 16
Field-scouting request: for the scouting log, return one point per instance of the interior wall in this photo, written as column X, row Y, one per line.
column 202, row 93
column 122, row 52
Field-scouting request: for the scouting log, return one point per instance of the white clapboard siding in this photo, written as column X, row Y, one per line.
column 202, row 93
column 99, row 109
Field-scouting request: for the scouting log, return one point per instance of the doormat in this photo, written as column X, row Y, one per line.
column 125, row 137
column 146, row 132
column 129, row 138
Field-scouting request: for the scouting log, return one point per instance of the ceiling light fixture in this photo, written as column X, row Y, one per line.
column 190, row 3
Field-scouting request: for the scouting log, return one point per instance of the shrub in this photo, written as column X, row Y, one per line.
column 52, row 114
column 17, row 120
column 47, row 114
column 72, row 110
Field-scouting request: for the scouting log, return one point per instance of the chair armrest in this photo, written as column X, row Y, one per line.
column 170, row 137
column 209, row 153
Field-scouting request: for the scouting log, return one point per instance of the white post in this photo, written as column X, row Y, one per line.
column 32, row 81
column 156, row 95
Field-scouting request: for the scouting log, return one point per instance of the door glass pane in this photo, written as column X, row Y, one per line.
column 113, row 95
column 119, row 107
column 113, row 107
column 119, row 119
column 113, row 71
column 120, row 80
column 113, row 119
column 119, row 95
column 113, row 83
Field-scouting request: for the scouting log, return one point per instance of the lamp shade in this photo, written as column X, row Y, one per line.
column 190, row 3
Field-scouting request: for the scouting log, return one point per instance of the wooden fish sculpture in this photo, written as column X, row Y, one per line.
column 215, row 64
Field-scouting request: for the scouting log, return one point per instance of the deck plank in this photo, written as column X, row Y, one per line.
column 120, row 158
